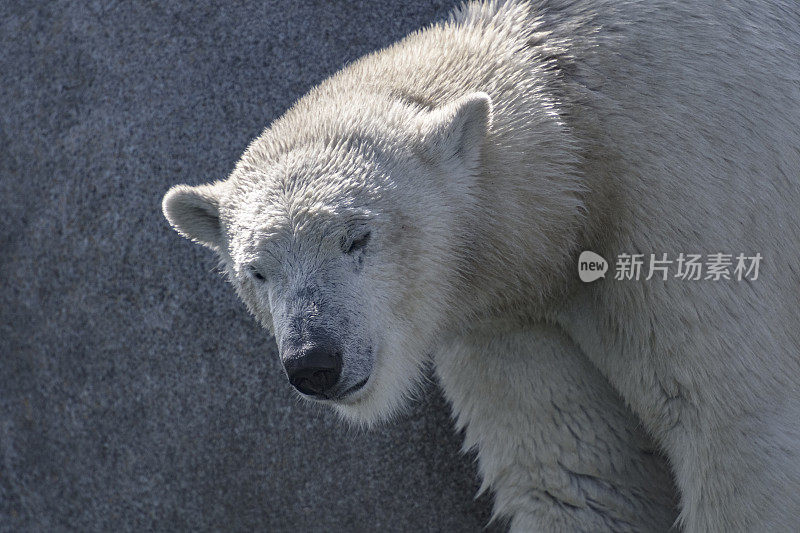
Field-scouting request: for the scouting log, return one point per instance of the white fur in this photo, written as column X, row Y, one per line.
column 554, row 441
column 483, row 154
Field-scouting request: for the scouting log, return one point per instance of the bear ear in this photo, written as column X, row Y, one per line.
column 456, row 130
column 194, row 213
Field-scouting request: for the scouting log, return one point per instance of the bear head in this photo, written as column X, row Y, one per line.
column 336, row 229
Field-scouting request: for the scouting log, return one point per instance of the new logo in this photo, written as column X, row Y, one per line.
column 591, row 266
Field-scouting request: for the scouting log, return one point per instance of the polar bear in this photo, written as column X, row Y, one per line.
column 430, row 200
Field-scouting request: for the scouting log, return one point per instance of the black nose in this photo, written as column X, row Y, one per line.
column 315, row 371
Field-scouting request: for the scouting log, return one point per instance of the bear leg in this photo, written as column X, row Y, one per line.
column 555, row 443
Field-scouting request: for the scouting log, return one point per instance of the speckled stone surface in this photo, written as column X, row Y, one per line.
column 135, row 391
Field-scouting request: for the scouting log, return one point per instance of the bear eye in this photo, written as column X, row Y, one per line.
column 358, row 243
column 255, row 273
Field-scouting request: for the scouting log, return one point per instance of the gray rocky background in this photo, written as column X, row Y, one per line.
column 135, row 391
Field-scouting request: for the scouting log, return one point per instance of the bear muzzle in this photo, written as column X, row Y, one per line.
column 314, row 371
